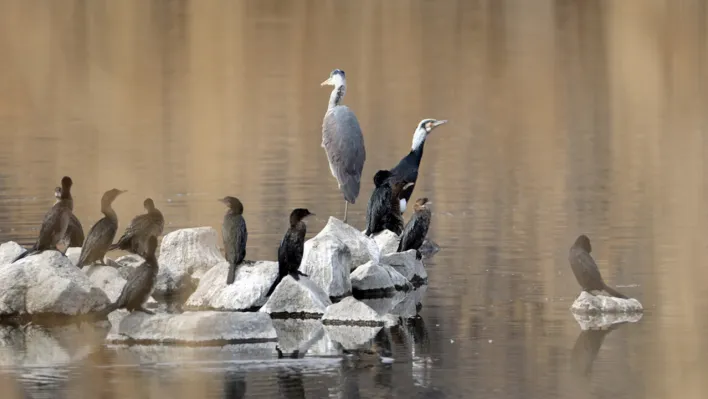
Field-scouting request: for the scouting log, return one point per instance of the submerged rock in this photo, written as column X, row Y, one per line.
column 205, row 328
column 605, row 321
column 377, row 280
column 9, row 251
column 360, row 246
column 248, row 291
column 47, row 284
column 407, row 265
column 587, row 303
column 350, row 311
column 109, row 280
column 327, row 261
column 297, row 299
column 387, row 242
column 185, row 255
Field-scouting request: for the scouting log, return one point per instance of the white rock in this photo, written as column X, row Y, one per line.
column 407, row 265
column 360, row 246
column 605, row 321
column 385, row 304
column 131, row 260
column 302, row 298
column 327, row 261
column 191, row 327
column 73, row 253
column 587, row 303
column 387, row 241
column 108, row 279
column 371, row 279
column 350, row 311
column 249, row 289
column 9, row 251
column 47, row 283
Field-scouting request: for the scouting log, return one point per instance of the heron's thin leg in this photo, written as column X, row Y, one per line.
column 346, row 206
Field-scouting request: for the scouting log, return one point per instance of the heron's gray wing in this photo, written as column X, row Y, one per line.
column 344, row 145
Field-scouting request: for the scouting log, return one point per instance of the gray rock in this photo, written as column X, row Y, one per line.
column 47, row 283
column 109, row 280
column 372, row 279
column 300, row 299
column 387, row 241
column 208, row 327
column 429, row 248
column 327, row 261
column 9, row 251
column 360, row 246
column 587, row 303
column 605, row 321
column 174, row 286
column 73, row 253
column 125, row 264
column 249, row 289
column 407, row 265
column 350, row 311
column 385, row 304
column 406, row 307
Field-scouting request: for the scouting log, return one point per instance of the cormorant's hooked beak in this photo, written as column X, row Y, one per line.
column 327, row 82
column 408, row 185
column 122, row 191
column 311, row 214
column 438, row 123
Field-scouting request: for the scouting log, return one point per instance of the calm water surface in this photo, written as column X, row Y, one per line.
column 566, row 117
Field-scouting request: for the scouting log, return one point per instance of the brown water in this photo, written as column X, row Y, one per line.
column 566, row 117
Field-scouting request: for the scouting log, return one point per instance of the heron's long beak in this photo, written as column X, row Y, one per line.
column 438, row 123
column 327, row 82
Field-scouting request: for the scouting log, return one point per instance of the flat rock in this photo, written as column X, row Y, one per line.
column 203, row 328
column 248, row 291
column 604, row 321
column 327, row 261
column 297, row 299
column 9, row 251
column 47, row 284
column 377, row 280
column 407, row 265
column 73, row 253
column 387, row 241
column 360, row 246
column 587, row 303
column 350, row 311
column 185, row 255
column 109, row 280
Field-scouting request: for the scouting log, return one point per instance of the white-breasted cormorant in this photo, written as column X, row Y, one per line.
column 585, row 269
column 343, row 141
column 291, row 247
column 383, row 210
column 101, row 235
column 235, row 235
column 140, row 229
column 417, row 228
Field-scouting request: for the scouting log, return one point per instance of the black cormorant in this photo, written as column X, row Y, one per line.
column 585, row 269
column 292, row 247
column 235, row 235
column 140, row 229
column 417, row 228
column 140, row 283
column 383, row 211
column 102, row 233
column 74, row 236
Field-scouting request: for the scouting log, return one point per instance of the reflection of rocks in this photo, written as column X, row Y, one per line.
column 384, row 305
column 297, row 299
column 374, row 280
column 297, row 336
column 234, row 384
column 232, row 353
column 351, row 337
column 605, row 320
column 350, row 311
column 587, row 303
column 408, row 306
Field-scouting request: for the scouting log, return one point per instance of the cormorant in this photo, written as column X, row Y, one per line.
column 54, row 224
column 140, row 283
column 140, row 229
column 235, row 235
column 383, row 211
column 585, row 270
column 343, row 141
column 407, row 168
column 102, row 233
column 292, row 247
column 417, row 228
column 74, row 236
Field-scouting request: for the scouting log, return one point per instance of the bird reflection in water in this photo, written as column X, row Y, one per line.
column 586, row 348
column 290, row 383
column 234, row 385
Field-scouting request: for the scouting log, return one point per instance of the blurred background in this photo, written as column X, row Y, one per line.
column 566, row 117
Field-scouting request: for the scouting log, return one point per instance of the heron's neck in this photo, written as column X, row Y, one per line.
column 336, row 97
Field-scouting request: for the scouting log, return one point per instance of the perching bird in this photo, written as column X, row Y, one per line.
column 140, row 283
column 102, row 233
column 343, row 141
column 140, row 229
column 74, row 236
column 55, row 222
column 235, row 234
column 292, row 247
column 585, row 270
column 417, row 228
column 383, row 210
column 407, row 168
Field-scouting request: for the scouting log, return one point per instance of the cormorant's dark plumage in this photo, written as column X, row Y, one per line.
column 55, row 222
column 292, row 247
column 407, row 168
column 383, row 211
column 74, row 236
column 585, row 269
column 140, row 283
column 142, row 227
column 235, row 234
column 417, row 228
column 101, row 235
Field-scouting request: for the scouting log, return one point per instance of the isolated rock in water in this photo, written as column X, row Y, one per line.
column 387, row 242
column 298, row 299
column 249, row 289
column 587, row 303
column 191, row 327
column 350, row 311
column 193, row 251
column 407, row 265
column 358, row 243
column 9, row 251
column 47, row 283
column 109, row 280
column 327, row 261
column 73, row 253
column 370, row 279
column 605, row 321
